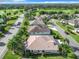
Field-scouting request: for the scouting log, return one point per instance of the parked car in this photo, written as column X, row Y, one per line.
column 19, row 23
column 2, row 44
column 77, row 31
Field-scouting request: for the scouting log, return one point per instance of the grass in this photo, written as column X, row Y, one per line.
column 37, row 13
column 57, row 35
column 9, row 24
column 9, row 55
column 67, row 11
column 51, row 57
column 61, row 25
column 75, row 36
column 11, row 21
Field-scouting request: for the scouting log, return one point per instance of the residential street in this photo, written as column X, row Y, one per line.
column 9, row 35
column 72, row 41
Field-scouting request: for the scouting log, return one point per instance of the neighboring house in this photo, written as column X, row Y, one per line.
column 64, row 21
column 37, row 22
column 71, row 22
column 77, row 15
column 38, row 30
column 38, row 44
column 77, row 30
column 74, row 22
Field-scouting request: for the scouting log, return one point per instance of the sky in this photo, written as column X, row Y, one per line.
column 39, row 1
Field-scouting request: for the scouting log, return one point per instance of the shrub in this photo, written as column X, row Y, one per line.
column 1, row 34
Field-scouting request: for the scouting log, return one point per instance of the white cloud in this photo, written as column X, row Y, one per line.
column 55, row 2
column 18, row 0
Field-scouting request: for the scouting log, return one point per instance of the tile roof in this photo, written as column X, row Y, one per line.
column 41, row 42
column 38, row 28
column 38, row 22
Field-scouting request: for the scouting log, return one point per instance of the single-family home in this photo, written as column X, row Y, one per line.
column 74, row 22
column 38, row 30
column 38, row 44
column 37, row 22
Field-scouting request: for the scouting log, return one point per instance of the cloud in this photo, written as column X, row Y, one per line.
column 12, row 0
column 18, row 0
column 33, row 2
column 55, row 2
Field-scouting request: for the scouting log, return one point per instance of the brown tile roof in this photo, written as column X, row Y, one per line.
column 41, row 42
column 38, row 22
column 38, row 28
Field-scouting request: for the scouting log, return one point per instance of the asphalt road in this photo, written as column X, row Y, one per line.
column 72, row 42
column 9, row 35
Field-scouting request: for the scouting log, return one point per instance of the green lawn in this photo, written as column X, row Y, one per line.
column 67, row 11
column 9, row 24
column 58, row 23
column 57, row 35
column 13, row 15
column 75, row 36
column 51, row 57
column 9, row 55
column 54, row 57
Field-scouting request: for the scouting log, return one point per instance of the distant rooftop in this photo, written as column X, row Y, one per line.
column 37, row 22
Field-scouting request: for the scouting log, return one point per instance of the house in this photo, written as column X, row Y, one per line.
column 38, row 30
column 37, row 22
column 38, row 44
column 77, row 30
column 74, row 22
column 71, row 22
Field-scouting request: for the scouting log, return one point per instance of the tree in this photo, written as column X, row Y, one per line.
column 66, row 41
column 17, row 43
column 66, row 18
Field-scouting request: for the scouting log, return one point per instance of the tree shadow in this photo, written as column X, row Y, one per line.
column 35, row 56
column 8, row 33
column 2, row 44
column 75, row 48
